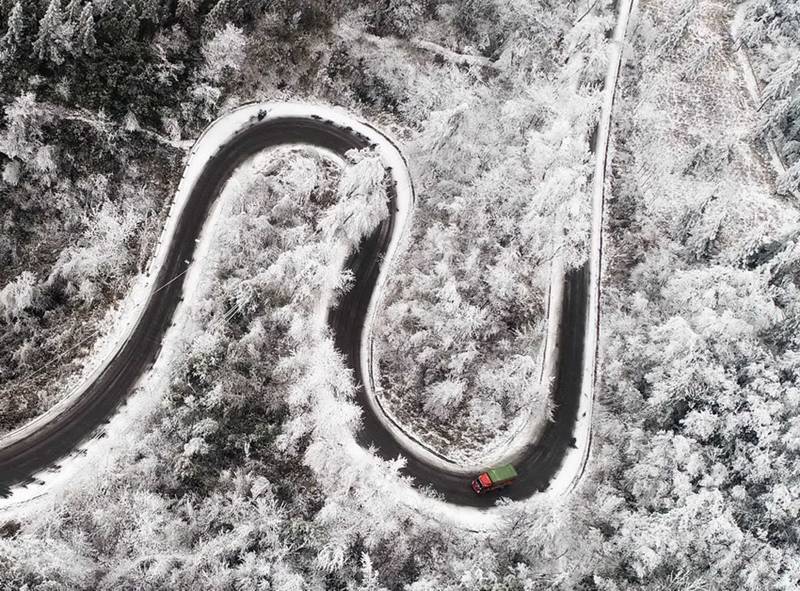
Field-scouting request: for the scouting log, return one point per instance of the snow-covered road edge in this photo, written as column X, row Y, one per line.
column 574, row 464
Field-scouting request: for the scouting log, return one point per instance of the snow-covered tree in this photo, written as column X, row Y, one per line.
column 53, row 36
column 17, row 295
column 443, row 398
column 186, row 11
column 15, row 30
column 225, row 11
column 224, row 53
column 73, row 10
column 150, row 11
column 11, row 172
column 362, row 201
column 85, row 38
column 22, row 136
column 100, row 256
column 370, row 580
column 397, row 17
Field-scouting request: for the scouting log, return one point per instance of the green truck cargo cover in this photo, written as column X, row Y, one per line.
column 502, row 473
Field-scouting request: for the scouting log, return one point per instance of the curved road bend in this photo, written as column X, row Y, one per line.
column 45, row 447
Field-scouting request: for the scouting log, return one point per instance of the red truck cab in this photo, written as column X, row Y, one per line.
column 494, row 479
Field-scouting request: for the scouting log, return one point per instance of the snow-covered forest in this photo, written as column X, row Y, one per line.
column 695, row 478
column 235, row 474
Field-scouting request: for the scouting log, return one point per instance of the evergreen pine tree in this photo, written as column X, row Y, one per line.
column 73, row 10
column 85, row 39
column 130, row 21
column 16, row 23
column 218, row 15
column 46, row 46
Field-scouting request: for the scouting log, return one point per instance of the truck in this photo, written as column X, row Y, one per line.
column 494, row 479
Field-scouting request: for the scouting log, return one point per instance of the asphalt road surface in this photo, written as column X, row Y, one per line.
column 48, row 445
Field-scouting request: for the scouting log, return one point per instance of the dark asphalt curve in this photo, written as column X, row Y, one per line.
column 54, row 440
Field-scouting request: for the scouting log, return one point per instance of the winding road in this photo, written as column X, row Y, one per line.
column 540, row 462
column 44, row 447
column 42, row 444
